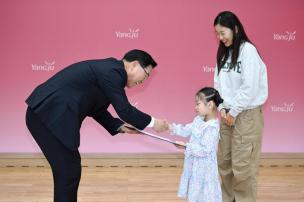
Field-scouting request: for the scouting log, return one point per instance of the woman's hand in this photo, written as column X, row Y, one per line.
column 230, row 120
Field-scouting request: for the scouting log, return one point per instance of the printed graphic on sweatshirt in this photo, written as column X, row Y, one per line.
column 236, row 68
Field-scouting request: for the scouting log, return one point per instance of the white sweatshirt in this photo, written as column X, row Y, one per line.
column 245, row 86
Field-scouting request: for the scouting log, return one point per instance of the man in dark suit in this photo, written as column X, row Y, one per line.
column 57, row 108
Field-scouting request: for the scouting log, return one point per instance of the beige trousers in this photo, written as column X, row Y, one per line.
column 239, row 154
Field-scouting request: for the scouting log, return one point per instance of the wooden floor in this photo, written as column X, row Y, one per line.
column 137, row 184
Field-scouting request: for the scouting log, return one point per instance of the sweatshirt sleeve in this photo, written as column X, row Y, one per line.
column 250, row 77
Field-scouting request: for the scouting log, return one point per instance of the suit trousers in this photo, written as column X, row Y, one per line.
column 65, row 163
column 239, row 154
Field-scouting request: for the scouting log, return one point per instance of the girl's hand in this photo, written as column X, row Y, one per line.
column 180, row 145
column 160, row 125
column 230, row 120
column 223, row 114
column 170, row 127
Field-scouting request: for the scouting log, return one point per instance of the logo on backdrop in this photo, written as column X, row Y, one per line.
column 47, row 66
column 208, row 69
column 287, row 36
column 131, row 34
column 286, row 108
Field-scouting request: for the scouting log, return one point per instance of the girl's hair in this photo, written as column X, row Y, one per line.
column 210, row 94
column 231, row 21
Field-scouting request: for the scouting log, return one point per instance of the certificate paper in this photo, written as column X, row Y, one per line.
column 154, row 136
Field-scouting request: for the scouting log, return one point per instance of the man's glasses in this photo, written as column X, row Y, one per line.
column 146, row 72
column 146, row 76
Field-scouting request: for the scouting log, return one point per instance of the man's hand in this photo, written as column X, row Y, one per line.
column 160, row 125
column 127, row 128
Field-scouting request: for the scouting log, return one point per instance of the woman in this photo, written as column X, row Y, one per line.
column 241, row 79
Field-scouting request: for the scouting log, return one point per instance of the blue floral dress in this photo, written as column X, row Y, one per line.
column 200, row 179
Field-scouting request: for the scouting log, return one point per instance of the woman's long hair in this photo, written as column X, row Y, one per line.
column 231, row 21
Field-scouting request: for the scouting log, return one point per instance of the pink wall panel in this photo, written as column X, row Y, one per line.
column 39, row 38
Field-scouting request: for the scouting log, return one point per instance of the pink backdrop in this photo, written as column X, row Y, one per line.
column 39, row 38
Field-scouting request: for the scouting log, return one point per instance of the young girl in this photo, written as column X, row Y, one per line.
column 200, row 178
column 241, row 79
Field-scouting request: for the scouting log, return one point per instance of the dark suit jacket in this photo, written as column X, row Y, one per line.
column 85, row 89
